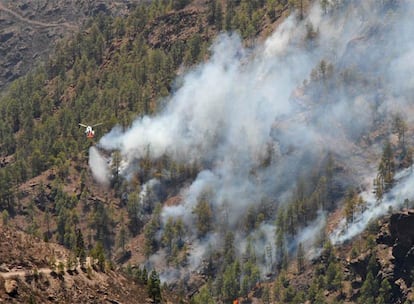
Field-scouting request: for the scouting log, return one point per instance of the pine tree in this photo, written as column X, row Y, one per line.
column 369, row 290
column 399, row 126
column 281, row 254
column 154, row 287
column 324, row 5
column 204, row 216
column 373, row 265
column 98, row 253
column 361, row 205
column 386, row 170
column 122, row 238
column 218, row 16
column 351, row 202
column 80, row 248
column 300, row 257
column 333, row 277
column 378, row 188
column 204, row 296
column 144, row 276
column 211, row 13
column 5, row 217
column 320, row 298
column 266, row 295
column 134, row 213
column 231, row 284
column 244, row 288
column 229, row 250
column 385, row 292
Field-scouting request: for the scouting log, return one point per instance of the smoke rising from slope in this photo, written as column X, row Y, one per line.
column 395, row 199
column 99, row 166
column 314, row 86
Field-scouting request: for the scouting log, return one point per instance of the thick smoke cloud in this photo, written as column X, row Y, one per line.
column 277, row 102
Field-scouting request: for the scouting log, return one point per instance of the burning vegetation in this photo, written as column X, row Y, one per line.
column 228, row 168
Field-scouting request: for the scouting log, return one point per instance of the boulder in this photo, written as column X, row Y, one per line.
column 402, row 228
column 10, row 287
column 401, row 240
column 384, row 236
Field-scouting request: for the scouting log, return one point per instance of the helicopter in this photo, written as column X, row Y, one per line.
column 90, row 133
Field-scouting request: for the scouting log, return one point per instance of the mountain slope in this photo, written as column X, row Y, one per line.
column 30, row 30
column 221, row 161
column 36, row 272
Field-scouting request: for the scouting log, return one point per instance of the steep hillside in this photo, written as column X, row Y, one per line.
column 30, row 30
column 33, row 271
column 47, row 188
column 376, row 267
column 242, row 149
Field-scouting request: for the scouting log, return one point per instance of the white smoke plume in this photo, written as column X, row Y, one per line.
column 395, row 199
column 146, row 189
column 308, row 237
column 99, row 166
column 245, row 106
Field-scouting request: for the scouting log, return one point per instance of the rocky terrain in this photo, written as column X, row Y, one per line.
column 396, row 252
column 391, row 257
column 42, row 272
column 385, row 250
column 32, row 271
column 29, row 30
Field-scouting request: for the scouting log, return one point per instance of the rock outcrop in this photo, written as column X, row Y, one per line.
column 401, row 239
column 392, row 259
column 10, row 286
column 398, row 240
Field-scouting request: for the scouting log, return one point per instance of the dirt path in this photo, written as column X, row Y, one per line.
column 34, row 22
column 23, row 273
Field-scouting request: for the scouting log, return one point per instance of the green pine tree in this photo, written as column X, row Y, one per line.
column 154, row 287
